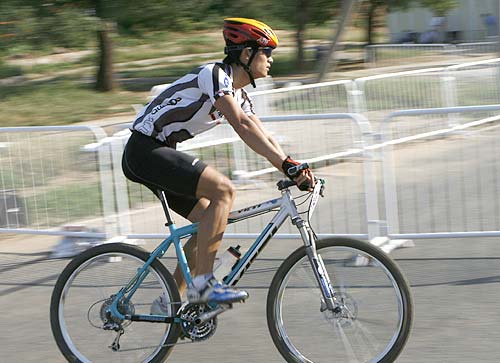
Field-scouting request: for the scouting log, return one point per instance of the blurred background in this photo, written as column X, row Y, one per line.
column 395, row 102
column 73, row 48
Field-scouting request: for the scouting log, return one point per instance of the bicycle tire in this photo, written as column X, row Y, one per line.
column 299, row 341
column 69, row 286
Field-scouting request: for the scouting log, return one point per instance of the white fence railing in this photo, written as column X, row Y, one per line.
column 47, row 181
column 381, row 55
column 449, row 190
column 56, row 176
column 323, row 139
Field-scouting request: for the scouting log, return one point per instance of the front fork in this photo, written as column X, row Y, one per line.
column 320, row 273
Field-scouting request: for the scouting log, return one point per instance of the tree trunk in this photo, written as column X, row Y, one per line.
column 301, row 25
column 345, row 15
column 371, row 21
column 105, row 82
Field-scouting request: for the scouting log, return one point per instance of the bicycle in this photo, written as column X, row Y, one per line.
column 322, row 305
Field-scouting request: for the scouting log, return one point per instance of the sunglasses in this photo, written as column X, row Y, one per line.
column 267, row 51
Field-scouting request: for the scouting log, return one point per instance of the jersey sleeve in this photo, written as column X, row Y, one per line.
column 214, row 82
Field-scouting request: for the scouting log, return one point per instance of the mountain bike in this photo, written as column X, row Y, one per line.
column 331, row 300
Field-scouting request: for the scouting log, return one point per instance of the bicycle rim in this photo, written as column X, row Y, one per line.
column 369, row 327
column 80, row 310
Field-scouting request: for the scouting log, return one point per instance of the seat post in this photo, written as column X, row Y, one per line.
column 166, row 209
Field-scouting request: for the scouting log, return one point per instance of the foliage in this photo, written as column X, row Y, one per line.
column 7, row 70
column 439, row 8
column 370, row 9
column 66, row 27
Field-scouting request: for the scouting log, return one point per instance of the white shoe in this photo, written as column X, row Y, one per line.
column 215, row 292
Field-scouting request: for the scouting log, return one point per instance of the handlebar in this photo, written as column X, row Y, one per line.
column 287, row 183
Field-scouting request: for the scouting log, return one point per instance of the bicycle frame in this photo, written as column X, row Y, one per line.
column 287, row 209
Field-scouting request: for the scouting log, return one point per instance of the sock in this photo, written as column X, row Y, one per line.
column 200, row 281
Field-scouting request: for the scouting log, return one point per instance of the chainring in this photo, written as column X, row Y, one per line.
column 193, row 331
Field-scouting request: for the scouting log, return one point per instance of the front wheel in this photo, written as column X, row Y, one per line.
column 374, row 308
column 83, row 294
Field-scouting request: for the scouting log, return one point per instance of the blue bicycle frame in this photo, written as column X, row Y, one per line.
column 286, row 208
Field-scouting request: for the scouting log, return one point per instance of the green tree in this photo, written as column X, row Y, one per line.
column 302, row 13
column 439, row 8
column 373, row 8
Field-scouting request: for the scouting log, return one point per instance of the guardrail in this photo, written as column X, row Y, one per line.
column 317, row 127
column 30, row 172
column 466, row 194
column 41, row 166
column 380, row 55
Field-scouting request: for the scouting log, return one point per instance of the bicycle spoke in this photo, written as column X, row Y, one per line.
column 362, row 328
column 89, row 291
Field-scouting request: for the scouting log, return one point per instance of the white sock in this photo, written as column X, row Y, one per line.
column 200, row 281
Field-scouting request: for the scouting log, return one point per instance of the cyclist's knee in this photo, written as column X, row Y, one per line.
column 215, row 186
column 224, row 191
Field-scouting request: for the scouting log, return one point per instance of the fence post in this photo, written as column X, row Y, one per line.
column 369, row 178
column 449, row 94
column 121, row 189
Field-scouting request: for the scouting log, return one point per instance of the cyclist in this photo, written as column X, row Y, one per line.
column 195, row 103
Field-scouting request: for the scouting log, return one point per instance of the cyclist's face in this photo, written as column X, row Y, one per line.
column 261, row 63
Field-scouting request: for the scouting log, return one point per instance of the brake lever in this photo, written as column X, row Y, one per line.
column 322, row 189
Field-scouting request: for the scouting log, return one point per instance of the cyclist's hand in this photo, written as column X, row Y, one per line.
column 304, row 179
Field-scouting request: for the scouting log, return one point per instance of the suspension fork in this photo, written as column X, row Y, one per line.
column 317, row 263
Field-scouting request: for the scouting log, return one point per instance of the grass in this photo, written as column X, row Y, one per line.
column 60, row 102
column 63, row 204
column 7, row 70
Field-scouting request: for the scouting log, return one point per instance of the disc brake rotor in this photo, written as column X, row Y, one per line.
column 345, row 313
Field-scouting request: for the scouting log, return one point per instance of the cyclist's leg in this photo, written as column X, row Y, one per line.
column 190, row 248
column 180, row 175
column 219, row 190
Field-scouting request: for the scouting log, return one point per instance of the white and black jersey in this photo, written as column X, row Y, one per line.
column 186, row 107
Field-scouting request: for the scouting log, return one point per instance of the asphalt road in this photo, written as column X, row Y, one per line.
column 455, row 283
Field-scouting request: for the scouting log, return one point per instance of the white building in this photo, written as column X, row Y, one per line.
column 465, row 23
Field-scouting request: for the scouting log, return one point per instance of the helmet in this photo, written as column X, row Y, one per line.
column 241, row 31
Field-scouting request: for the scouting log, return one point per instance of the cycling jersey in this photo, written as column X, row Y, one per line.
column 186, row 108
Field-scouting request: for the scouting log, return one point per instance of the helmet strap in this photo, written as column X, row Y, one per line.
column 246, row 67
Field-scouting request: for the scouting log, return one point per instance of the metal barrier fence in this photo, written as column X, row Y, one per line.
column 346, row 136
column 47, row 180
column 381, row 55
column 448, row 189
column 56, row 176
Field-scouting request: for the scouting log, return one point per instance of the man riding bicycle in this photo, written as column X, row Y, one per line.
column 195, row 103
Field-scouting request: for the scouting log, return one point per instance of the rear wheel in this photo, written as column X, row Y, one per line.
column 374, row 310
column 86, row 288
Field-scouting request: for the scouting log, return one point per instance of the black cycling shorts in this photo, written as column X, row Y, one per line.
column 150, row 162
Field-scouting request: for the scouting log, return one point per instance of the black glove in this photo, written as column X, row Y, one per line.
column 290, row 163
column 287, row 164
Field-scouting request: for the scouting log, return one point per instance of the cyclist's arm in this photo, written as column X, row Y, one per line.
column 250, row 131
column 271, row 139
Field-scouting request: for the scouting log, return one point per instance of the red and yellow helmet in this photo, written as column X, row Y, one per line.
column 243, row 30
